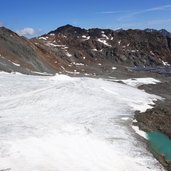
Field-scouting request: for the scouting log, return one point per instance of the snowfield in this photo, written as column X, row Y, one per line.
column 60, row 123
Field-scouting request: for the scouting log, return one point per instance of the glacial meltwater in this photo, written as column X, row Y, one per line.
column 160, row 144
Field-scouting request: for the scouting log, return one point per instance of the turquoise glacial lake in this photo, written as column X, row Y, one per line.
column 160, row 144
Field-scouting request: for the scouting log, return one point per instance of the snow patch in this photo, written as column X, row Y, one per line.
column 68, row 54
column 86, row 37
column 165, row 63
column 140, row 132
column 151, row 52
column 43, row 38
column 52, row 34
column 136, row 82
column 106, row 37
column 16, row 64
column 104, row 42
column 78, row 64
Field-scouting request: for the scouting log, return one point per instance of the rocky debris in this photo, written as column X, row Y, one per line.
column 156, row 119
column 159, row 117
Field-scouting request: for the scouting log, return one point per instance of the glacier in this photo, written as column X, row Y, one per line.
column 62, row 123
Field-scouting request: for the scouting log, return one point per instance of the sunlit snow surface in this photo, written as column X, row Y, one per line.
column 70, row 124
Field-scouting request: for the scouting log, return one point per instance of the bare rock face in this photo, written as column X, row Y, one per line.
column 73, row 49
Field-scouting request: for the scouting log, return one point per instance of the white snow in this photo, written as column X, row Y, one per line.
column 41, row 73
column 152, row 53
column 136, row 82
column 86, row 37
column 113, row 68
column 165, row 63
column 52, row 44
column 104, row 42
column 86, row 74
column 140, row 132
column 68, row 54
column 78, row 64
column 16, row 64
column 94, row 50
column 119, row 42
column 61, row 123
column 43, row 38
column 106, row 37
column 52, row 34
column 125, row 118
column 134, row 51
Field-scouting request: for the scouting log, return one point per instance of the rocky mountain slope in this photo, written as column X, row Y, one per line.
column 70, row 49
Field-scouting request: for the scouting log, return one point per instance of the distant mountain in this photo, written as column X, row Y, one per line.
column 70, row 49
column 162, row 31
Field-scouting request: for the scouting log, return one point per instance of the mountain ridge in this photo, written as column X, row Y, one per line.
column 70, row 49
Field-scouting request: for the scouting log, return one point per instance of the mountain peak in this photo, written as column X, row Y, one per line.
column 5, row 30
column 69, row 30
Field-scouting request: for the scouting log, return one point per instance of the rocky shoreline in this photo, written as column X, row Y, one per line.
column 159, row 117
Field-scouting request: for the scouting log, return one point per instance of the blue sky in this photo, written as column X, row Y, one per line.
column 33, row 17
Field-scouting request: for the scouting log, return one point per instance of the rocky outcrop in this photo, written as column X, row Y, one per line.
column 128, row 47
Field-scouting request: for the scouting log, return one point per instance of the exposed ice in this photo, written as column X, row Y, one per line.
column 62, row 123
